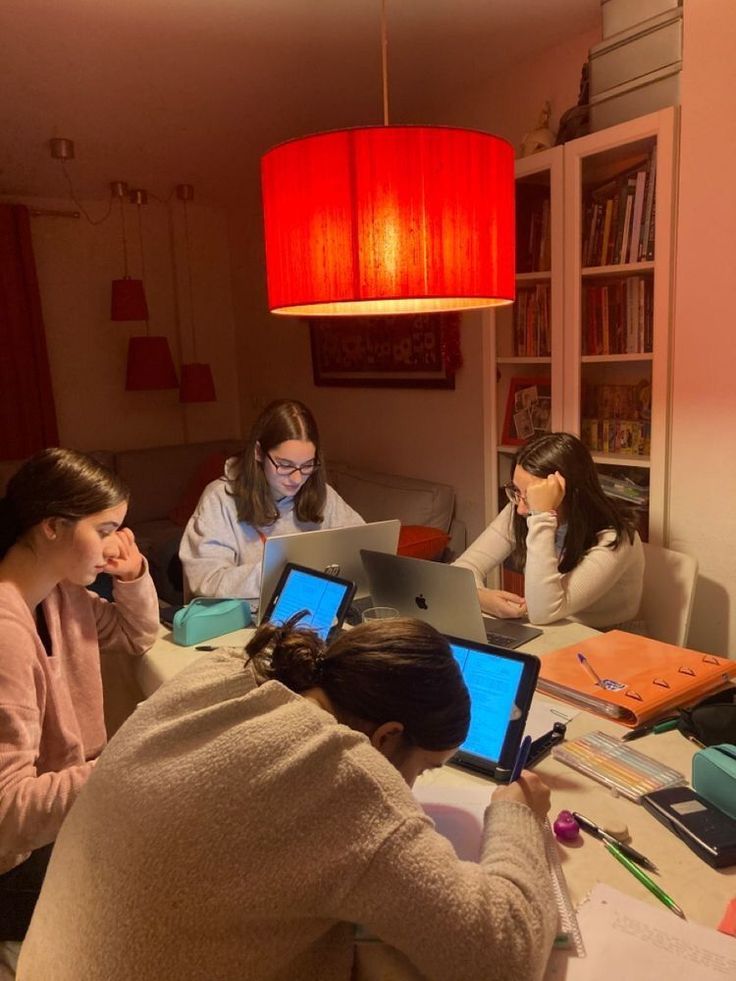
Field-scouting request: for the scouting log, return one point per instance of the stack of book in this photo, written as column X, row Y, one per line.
column 620, row 218
column 618, row 317
column 532, row 229
column 617, row 418
column 531, row 336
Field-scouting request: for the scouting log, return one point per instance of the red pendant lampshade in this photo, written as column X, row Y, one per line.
column 197, row 384
column 389, row 219
column 128, row 301
column 150, row 364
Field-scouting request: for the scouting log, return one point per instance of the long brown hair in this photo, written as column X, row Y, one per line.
column 56, row 483
column 397, row 671
column 280, row 421
column 587, row 509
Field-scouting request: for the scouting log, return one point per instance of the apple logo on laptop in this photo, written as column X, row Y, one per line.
column 421, row 602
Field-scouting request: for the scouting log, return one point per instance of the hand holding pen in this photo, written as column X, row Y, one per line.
column 525, row 788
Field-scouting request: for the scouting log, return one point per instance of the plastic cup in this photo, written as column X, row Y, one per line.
column 374, row 613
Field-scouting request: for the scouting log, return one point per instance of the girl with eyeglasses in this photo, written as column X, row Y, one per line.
column 579, row 550
column 275, row 487
column 254, row 810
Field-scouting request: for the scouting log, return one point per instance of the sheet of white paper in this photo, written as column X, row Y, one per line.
column 626, row 938
column 543, row 714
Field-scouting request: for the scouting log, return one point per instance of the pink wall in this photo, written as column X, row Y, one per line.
column 703, row 458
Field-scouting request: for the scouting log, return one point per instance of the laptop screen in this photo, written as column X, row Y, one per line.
column 501, row 685
column 324, row 597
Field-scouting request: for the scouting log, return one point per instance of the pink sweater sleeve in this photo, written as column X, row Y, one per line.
column 131, row 622
column 32, row 805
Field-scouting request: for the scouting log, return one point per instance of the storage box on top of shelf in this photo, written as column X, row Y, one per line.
column 638, row 51
column 620, row 15
column 651, row 92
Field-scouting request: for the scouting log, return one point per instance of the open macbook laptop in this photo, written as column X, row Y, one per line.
column 443, row 595
column 334, row 550
column 325, row 599
column 501, row 685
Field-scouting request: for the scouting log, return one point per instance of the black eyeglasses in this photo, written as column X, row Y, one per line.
column 287, row 469
column 514, row 494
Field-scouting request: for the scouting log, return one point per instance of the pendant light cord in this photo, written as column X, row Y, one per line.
column 143, row 259
column 384, row 61
column 189, row 278
column 125, row 240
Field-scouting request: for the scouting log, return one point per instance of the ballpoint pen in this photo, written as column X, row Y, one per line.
column 641, row 875
column 585, row 663
column 521, row 757
column 587, row 825
column 664, row 725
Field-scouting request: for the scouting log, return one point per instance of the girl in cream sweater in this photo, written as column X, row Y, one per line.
column 252, row 812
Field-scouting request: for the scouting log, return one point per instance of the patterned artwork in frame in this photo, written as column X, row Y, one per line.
column 407, row 351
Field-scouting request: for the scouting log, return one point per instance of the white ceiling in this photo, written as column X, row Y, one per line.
column 158, row 92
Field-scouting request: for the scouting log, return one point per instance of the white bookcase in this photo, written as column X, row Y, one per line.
column 608, row 383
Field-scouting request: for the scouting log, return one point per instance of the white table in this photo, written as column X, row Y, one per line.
column 702, row 891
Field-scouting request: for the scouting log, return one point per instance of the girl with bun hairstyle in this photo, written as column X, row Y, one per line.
column 60, row 526
column 579, row 550
column 273, row 799
column 275, row 487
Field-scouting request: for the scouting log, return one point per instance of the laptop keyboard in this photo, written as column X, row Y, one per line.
column 501, row 640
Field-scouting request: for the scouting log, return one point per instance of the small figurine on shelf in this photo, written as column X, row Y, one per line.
column 541, row 138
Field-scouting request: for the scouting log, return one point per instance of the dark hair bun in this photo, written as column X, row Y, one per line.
column 292, row 655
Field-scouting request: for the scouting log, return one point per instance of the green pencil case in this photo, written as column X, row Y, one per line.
column 714, row 776
column 203, row 619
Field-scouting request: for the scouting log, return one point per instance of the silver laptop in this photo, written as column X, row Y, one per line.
column 333, row 550
column 443, row 595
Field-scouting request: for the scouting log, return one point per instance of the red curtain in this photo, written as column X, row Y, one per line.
column 27, row 412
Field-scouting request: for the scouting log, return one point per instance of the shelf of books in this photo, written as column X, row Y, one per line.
column 619, row 196
column 526, row 356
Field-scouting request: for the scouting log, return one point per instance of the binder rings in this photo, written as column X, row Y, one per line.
column 640, row 678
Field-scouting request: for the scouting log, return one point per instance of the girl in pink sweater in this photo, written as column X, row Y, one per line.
column 60, row 526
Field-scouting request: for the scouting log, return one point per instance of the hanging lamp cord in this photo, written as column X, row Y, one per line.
column 384, row 61
column 189, row 278
column 143, row 259
column 125, row 240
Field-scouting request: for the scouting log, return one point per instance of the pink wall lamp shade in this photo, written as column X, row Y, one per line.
column 389, row 219
column 150, row 365
column 128, row 301
column 197, row 384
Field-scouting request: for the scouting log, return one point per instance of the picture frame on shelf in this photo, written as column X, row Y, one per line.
column 402, row 351
column 528, row 410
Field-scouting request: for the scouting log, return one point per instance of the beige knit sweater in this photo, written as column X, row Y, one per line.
column 234, row 832
column 51, row 718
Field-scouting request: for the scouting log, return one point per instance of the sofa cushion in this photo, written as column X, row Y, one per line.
column 212, row 467
column 158, row 476
column 421, row 542
column 378, row 496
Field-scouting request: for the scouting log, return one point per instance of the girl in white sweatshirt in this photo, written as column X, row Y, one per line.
column 275, row 487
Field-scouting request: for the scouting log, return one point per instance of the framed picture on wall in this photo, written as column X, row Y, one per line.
column 528, row 410
column 407, row 351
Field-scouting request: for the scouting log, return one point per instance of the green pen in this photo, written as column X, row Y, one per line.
column 665, row 725
column 644, row 879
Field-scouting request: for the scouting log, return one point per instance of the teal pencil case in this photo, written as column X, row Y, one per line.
column 714, row 776
column 203, row 619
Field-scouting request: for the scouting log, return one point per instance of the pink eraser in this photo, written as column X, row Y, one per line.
column 566, row 827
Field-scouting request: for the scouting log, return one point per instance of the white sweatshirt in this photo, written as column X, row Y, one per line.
column 222, row 556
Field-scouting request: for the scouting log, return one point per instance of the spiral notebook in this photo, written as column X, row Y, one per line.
column 638, row 678
column 457, row 812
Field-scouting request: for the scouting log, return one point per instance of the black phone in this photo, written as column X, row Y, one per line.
column 709, row 832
